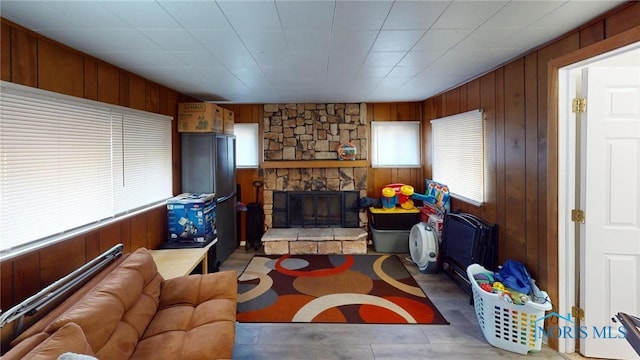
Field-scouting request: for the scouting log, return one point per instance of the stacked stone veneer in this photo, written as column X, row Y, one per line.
column 307, row 132
column 313, row 131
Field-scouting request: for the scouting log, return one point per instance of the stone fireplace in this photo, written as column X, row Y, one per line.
column 305, row 139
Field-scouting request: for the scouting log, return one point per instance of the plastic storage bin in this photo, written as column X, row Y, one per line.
column 507, row 326
column 390, row 241
column 394, row 219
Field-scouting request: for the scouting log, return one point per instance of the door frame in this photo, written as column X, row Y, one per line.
column 560, row 239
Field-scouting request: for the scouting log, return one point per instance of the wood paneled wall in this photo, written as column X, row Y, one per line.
column 32, row 60
column 515, row 101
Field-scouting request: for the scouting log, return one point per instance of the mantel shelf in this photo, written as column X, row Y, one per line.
column 292, row 164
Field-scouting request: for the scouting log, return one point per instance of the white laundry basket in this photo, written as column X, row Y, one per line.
column 505, row 325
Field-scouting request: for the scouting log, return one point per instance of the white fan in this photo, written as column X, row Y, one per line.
column 423, row 246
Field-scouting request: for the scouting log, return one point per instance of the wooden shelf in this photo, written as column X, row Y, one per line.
column 305, row 164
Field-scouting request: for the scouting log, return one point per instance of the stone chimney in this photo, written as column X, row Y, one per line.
column 308, row 132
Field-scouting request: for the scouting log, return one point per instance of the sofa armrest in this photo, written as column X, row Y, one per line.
column 196, row 289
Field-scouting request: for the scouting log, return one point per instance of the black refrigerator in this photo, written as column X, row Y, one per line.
column 209, row 166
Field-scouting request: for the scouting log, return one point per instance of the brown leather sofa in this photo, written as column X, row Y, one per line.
column 133, row 313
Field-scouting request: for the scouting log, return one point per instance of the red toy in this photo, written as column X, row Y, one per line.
column 486, row 287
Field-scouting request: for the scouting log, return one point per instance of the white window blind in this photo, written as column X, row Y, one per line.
column 458, row 154
column 60, row 157
column 395, row 144
column 246, row 145
column 142, row 161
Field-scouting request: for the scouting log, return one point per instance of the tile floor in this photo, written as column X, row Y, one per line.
column 462, row 339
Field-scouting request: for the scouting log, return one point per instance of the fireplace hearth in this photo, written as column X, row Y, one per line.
column 316, row 209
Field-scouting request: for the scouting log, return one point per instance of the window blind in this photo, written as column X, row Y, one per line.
column 458, row 154
column 395, row 144
column 60, row 157
column 142, row 161
column 247, row 145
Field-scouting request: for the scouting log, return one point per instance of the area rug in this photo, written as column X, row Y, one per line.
column 353, row 289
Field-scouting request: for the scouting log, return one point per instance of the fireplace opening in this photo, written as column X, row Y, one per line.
column 316, row 209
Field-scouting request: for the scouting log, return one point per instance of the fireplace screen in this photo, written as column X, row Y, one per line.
column 315, row 209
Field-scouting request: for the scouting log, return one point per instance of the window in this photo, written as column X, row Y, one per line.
column 247, row 145
column 395, row 144
column 67, row 162
column 458, row 155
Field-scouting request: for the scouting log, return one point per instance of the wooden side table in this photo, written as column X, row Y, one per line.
column 173, row 263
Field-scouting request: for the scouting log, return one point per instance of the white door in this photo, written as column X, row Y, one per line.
column 610, row 237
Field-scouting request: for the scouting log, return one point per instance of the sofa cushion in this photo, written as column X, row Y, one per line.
column 69, row 338
column 195, row 319
column 117, row 311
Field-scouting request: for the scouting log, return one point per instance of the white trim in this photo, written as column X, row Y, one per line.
column 566, row 181
column 567, row 89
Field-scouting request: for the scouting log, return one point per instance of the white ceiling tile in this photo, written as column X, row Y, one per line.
column 384, row 58
column 361, row 15
column 356, row 40
column 218, row 40
column 196, row 14
column 226, row 46
column 85, row 15
column 396, row 40
column 91, row 40
column 251, row 76
column 467, row 14
column 176, row 77
column 197, row 58
column 304, row 40
column 237, row 58
column 571, row 13
column 469, row 63
column 257, row 41
column 304, row 51
column 489, row 38
column 142, row 14
column 251, row 15
column 405, row 71
column 341, row 73
column 374, row 71
column 521, row 13
column 173, row 40
column 347, row 59
column 305, row 15
column 414, row 15
column 390, row 83
column 273, row 60
column 33, row 15
column 137, row 59
column 420, row 58
column 441, row 39
column 307, row 59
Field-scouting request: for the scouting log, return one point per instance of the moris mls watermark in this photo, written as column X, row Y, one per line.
column 573, row 331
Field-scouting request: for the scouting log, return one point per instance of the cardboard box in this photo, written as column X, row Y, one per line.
column 200, row 117
column 192, row 217
column 228, row 121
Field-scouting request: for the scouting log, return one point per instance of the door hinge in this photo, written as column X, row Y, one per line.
column 577, row 312
column 577, row 216
column 579, row 105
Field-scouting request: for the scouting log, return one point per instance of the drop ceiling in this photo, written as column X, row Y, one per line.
column 305, row 51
